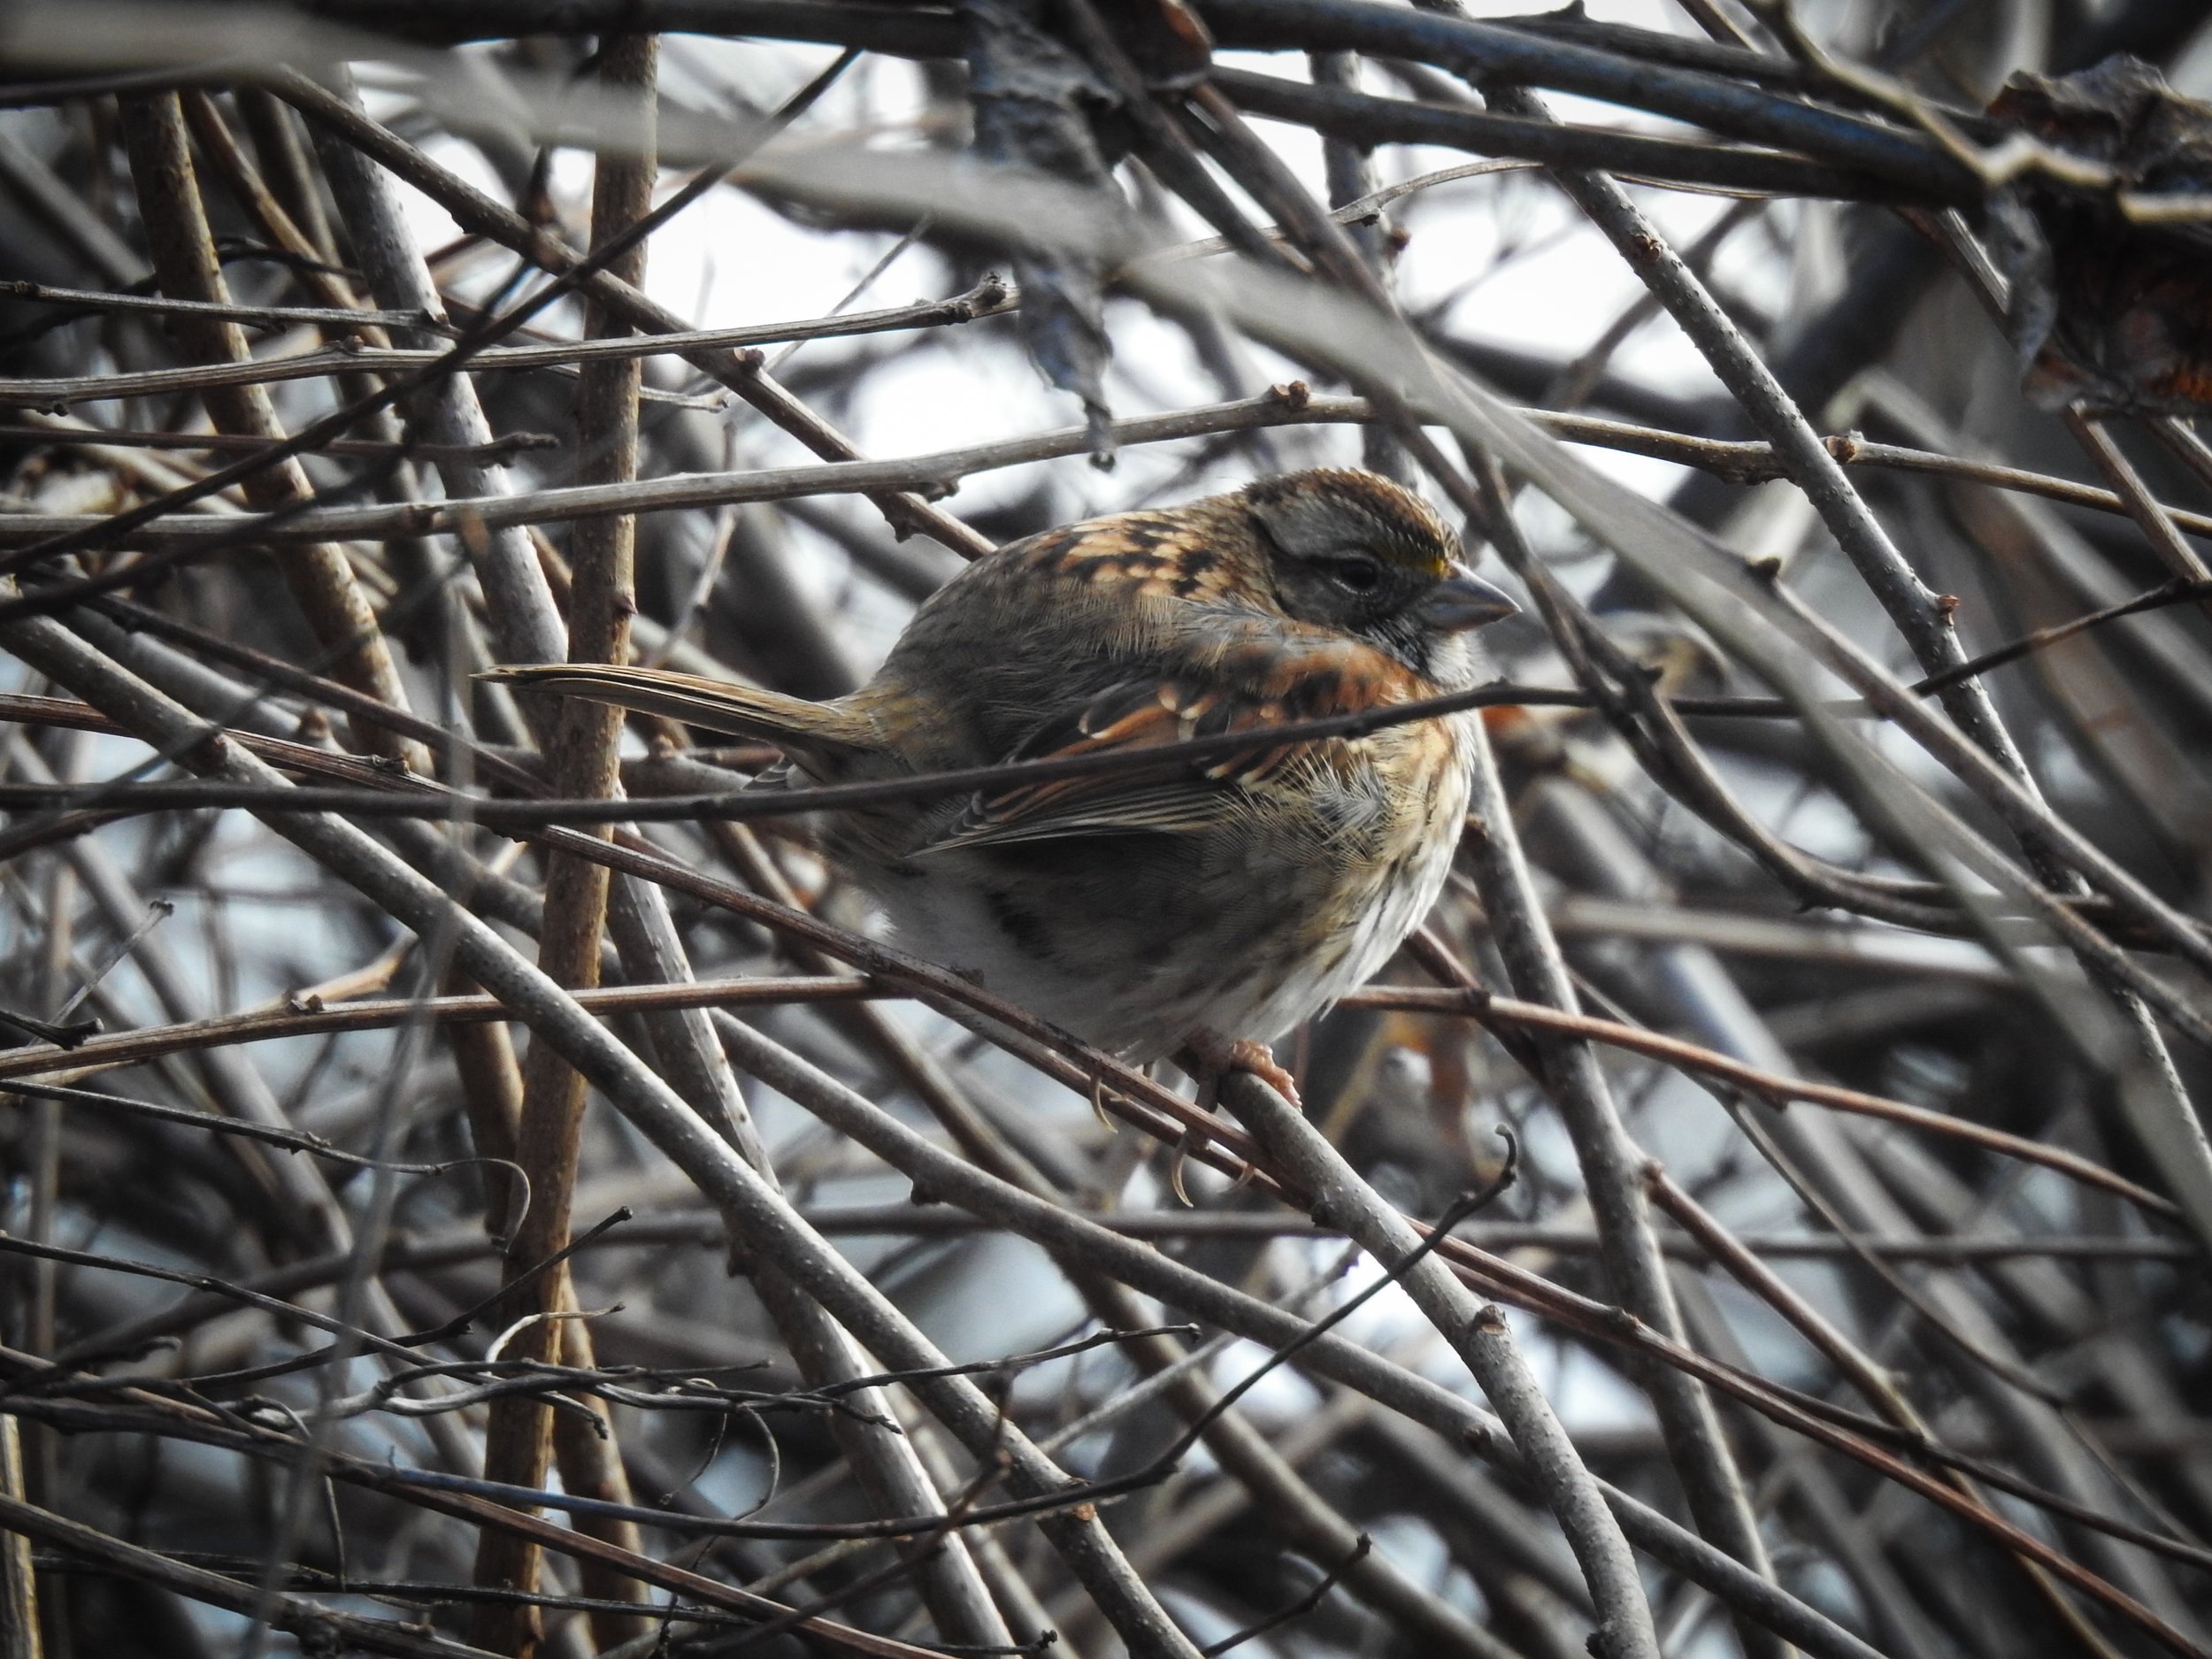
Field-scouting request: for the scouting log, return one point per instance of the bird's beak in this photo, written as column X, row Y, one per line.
column 1463, row 601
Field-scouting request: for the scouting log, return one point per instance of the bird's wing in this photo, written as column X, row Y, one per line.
column 1154, row 711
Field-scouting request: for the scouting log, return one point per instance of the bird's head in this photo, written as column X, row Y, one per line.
column 1355, row 552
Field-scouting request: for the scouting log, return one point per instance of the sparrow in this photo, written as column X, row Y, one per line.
column 1199, row 909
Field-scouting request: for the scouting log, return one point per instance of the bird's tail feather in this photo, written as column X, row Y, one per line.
column 790, row 723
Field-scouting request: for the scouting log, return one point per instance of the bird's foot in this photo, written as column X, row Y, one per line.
column 1213, row 1056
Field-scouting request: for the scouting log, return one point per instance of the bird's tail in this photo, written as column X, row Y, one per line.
column 807, row 730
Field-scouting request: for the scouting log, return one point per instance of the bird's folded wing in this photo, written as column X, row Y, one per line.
column 1151, row 712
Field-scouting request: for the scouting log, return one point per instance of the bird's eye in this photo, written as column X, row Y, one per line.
column 1355, row 576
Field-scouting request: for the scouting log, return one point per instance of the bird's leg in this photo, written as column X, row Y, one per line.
column 1209, row 1056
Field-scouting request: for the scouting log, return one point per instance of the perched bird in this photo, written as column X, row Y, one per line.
column 1201, row 908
